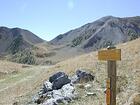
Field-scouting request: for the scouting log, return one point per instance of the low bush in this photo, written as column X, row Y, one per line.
column 24, row 57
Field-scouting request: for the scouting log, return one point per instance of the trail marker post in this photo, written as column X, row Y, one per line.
column 111, row 55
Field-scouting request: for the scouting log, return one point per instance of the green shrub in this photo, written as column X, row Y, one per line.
column 60, row 37
column 77, row 41
column 89, row 33
column 25, row 57
column 83, row 36
column 107, row 43
column 15, row 46
column 132, row 34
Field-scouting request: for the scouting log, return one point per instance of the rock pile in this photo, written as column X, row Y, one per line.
column 60, row 88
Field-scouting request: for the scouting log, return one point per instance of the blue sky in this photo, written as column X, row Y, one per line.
column 49, row 18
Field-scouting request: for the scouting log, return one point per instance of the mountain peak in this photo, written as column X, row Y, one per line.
column 16, row 38
column 101, row 33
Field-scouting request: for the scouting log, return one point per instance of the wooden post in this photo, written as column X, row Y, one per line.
column 111, row 55
column 112, row 75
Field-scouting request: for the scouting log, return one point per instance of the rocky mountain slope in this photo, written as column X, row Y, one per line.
column 14, row 39
column 106, row 31
column 103, row 32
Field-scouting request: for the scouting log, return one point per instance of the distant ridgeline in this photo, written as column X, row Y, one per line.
column 101, row 33
column 19, row 44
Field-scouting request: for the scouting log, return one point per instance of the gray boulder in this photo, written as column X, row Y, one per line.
column 61, row 81
column 84, row 76
column 68, row 91
column 56, row 76
column 63, row 95
column 47, row 86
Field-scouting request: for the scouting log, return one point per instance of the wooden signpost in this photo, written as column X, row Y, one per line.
column 111, row 55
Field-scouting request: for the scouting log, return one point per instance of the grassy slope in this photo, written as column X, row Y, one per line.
column 128, row 73
column 18, row 80
column 29, row 79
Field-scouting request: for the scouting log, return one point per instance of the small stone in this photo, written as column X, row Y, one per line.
column 90, row 94
column 15, row 103
column 88, row 87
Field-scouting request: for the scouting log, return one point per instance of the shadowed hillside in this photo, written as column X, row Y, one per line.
column 13, row 40
column 101, row 33
column 106, row 31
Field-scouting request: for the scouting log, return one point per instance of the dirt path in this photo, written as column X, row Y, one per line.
column 19, row 84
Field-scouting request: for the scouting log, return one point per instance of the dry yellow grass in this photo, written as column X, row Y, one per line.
column 128, row 72
column 9, row 67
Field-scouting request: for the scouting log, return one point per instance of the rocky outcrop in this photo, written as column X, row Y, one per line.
column 60, row 88
column 63, row 95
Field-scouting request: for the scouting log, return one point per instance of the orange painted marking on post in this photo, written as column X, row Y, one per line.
column 108, row 96
column 112, row 54
column 108, row 91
